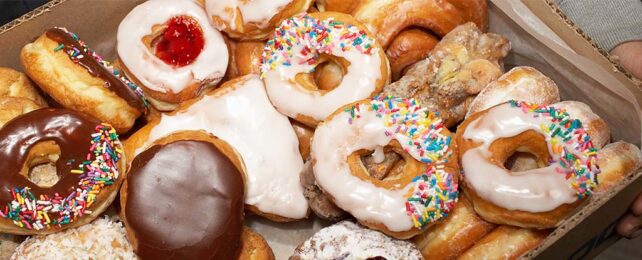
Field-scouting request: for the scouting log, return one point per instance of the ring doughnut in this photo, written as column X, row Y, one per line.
column 170, row 49
column 520, row 83
column 252, row 20
column 191, row 176
column 16, row 84
column 264, row 138
column 424, row 191
column 288, row 62
column 88, row 158
column 536, row 198
column 78, row 78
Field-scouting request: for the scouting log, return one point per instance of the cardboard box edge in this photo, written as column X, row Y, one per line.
column 30, row 15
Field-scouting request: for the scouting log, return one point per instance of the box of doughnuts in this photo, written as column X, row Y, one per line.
column 302, row 129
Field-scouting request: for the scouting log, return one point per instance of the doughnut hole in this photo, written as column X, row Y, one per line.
column 40, row 165
column 525, row 151
column 327, row 75
column 397, row 168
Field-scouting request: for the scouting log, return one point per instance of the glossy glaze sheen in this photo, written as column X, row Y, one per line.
column 96, row 69
column 185, row 201
column 70, row 130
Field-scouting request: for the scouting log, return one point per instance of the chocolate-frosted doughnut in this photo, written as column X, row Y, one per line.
column 183, row 198
column 88, row 161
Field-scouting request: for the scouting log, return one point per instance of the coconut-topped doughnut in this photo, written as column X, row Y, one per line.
column 171, row 50
column 79, row 79
column 252, row 19
column 303, row 42
column 88, row 159
column 400, row 206
column 240, row 113
column 537, row 198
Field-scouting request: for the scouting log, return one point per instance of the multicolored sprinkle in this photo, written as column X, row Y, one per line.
column 419, row 132
column 579, row 165
column 75, row 54
column 302, row 38
column 97, row 172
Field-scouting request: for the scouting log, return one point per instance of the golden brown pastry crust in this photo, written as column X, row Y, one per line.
column 616, row 160
column 456, row 233
column 12, row 107
column 505, row 242
column 409, row 47
column 73, row 86
column 16, row 84
column 254, row 246
column 304, row 134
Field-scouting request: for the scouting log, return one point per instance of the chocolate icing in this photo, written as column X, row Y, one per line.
column 96, row 69
column 70, row 130
column 184, row 201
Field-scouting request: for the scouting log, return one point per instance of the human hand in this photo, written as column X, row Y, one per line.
column 630, row 225
column 629, row 54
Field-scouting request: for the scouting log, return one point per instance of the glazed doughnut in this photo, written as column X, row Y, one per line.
column 13, row 107
column 458, row 232
column 537, row 198
column 348, row 240
column 88, row 158
column 263, row 137
column 191, row 177
column 79, row 79
column 409, row 47
column 252, row 20
column 170, row 49
column 520, row 83
column 616, row 160
column 247, row 57
column 288, row 62
column 458, row 68
column 341, row 6
column 103, row 238
column 16, row 84
column 426, row 189
column 505, row 242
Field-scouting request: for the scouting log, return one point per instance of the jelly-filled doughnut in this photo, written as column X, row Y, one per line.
column 536, row 198
column 197, row 207
column 400, row 205
column 88, row 159
column 244, row 118
column 170, row 49
column 304, row 41
column 254, row 19
column 79, row 79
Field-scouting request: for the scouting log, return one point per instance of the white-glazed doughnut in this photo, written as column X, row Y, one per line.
column 407, row 203
column 300, row 44
column 240, row 113
column 156, row 75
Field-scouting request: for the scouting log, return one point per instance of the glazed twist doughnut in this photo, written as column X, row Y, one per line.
column 520, row 83
column 170, row 49
column 424, row 192
column 89, row 161
column 304, row 41
column 458, row 68
column 537, row 198
column 78, row 78
column 505, row 242
column 252, row 20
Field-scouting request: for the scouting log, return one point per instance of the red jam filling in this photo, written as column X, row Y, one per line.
column 181, row 42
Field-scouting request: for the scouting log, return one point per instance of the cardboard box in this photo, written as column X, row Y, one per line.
column 581, row 73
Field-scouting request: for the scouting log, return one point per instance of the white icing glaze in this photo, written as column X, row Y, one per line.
column 244, row 117
column 332, row 143
column 253, row 11
column 378, row 155
column 152, row 72
column 537, row 190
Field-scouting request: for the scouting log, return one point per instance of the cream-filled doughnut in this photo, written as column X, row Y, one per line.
column 536, row 198
column 252, row 19
column 171, row 50
column 240, row 113
column 304, row 41
column 400, row 206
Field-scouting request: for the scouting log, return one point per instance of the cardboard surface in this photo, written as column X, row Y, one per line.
column 578, row 77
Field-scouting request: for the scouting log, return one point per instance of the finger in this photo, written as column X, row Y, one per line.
column 636, row 207
column 628, row 225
